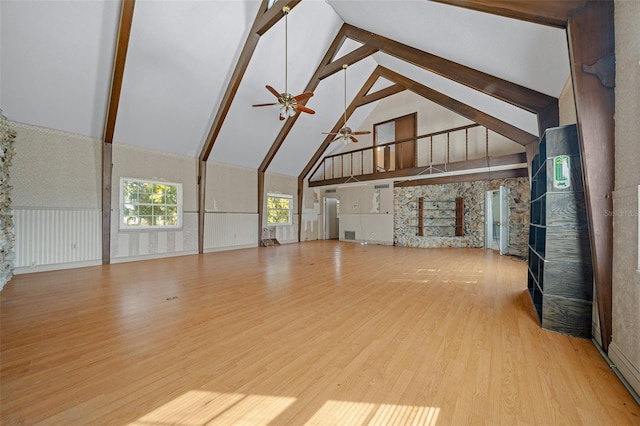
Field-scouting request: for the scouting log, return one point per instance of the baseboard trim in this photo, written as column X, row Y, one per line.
column 152, row 256
column 55, row 267
column 630, row 374
column 226, row 248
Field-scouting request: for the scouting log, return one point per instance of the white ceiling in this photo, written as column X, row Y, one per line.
column 56, row 59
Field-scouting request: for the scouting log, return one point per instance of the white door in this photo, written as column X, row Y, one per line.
column 497, row 220
column 331, row 219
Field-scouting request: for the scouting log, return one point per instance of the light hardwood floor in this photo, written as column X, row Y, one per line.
column 311, row 333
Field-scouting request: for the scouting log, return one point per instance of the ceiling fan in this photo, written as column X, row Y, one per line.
column 289, row 104
column 346, row 134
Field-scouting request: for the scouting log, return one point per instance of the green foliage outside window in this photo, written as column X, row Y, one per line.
column 150, row 204
column 279, row 210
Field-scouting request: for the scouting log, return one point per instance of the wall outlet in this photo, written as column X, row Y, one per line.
column 33, row 264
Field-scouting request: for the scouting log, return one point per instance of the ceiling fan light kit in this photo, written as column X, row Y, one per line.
column 289, row 104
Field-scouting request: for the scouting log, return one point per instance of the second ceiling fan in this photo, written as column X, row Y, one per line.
column 289, row 104
column 346, row 134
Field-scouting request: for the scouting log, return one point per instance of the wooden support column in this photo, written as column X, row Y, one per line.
column 107, row 165
column 260, row 204
column 202, row 185
column 300, row 204
column 122, row 44
column 591, row 41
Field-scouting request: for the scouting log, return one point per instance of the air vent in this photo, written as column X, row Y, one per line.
column 330, row 191
column 381, row 186
column 350, row 235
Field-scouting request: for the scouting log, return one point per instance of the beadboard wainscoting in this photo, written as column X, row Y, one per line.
column 223, row 231
column 56, row 238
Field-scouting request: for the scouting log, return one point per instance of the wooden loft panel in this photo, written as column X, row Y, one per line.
column 551, row 13
column 122, row 45
column 477, row 116
column 512, row 93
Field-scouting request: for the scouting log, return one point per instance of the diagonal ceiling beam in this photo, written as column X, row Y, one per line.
column 265, row 19
column 350, row 58
column 326, row 68
column 506, row 91
column 361, row 98
column 122, row 45
column 551, row 13
column 380, row 94
column 477, row 116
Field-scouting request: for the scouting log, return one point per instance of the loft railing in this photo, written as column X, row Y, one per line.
column 470, row 142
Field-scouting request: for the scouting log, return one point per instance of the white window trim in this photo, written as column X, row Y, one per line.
column 270, row 194
column 122, row 227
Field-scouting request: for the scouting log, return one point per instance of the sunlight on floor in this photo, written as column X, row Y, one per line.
column 197, row 408
column 358, row 413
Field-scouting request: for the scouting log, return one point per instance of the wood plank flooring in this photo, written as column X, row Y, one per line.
column 314, row 333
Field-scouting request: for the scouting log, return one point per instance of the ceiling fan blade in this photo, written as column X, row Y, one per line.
column 304, row 109
column 336, row 139
column 353, row 139
column 327, row 133
column 261, row 105
column 281, row 117
column 362, row 132
column 303, row 96
column 274, row 91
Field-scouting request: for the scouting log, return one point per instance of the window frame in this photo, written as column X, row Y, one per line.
column 283, row 196
column 178, row 205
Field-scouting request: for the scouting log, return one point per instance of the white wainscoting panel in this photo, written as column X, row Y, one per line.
column 230, row 230
column 56, row 236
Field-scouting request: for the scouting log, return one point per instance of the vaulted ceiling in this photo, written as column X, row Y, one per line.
column 57, row 61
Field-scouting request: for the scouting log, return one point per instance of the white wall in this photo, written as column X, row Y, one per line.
column 57, row 179
column 624, row 349
column 139, row 163
column 368, row 212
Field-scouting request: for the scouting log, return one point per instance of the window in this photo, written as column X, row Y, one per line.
column 279, row 209
column 148, row 204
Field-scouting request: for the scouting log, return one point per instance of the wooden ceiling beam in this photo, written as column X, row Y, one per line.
column 475, row 115
column 380, row 94
column 549, row 12
column 355, row 103
column 311, row 86
column 122, row 45
column 498, row 88
column 350, row 59
column 265, row 19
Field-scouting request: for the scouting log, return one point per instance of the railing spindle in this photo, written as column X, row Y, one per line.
column 466, row 144
column 486, row 143
column 448, row 134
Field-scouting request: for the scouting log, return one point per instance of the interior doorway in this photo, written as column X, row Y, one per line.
column 331, row 216
column 497, row 220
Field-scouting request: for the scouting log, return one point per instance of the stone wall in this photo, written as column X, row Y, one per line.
column 406, row 202
column 7, row 237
